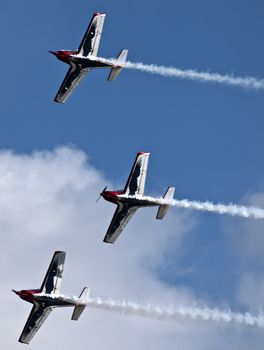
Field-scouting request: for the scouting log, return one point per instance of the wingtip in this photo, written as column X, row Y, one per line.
column 99, row 14
column 143, row 153
column 57, row 101
column 59, row 252
column 106, row 241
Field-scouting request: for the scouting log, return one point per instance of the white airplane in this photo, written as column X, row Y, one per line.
column 132, row 198
column 83, row 60
column 48, row 297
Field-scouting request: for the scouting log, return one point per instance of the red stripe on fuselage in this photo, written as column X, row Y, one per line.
column 64, row 56
column 28, row 295
column 111, row 196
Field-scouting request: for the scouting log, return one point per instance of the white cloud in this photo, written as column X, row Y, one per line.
column 47, row 202
column 248, row 245
column 251, row 290
column 252, row 242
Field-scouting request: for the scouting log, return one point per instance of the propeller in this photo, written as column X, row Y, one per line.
column 101, row 194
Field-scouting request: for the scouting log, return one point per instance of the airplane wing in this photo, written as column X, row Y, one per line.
column 70, row 82
column 136, row 180
column 91, row 40
column 35, row 320
column 121, row 217
column 52, row 280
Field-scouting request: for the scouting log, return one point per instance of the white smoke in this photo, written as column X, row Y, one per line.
column 229, row 209
column 190, row 74
column 179, row 313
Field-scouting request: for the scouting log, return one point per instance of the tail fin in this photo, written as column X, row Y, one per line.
column 169, row 194
column 120, row 62
column 79, row 308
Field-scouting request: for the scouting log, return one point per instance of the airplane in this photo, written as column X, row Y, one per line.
column 132, row 198
column 48, row 297
column 83, row 60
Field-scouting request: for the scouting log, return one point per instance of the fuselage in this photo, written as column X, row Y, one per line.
column 72, row 57
column 34, row 296
column 117, row 197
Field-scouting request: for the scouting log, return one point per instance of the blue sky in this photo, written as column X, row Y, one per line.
column 205, row 139
column 214, row 132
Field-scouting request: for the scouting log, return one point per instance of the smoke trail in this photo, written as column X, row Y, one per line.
column 179, row 313
column 243, row 82
column 229, row 209
column 191, row 74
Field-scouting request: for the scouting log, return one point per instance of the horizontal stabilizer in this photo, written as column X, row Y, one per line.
column 119, row 65
column 79, row 308
column 169, row 194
